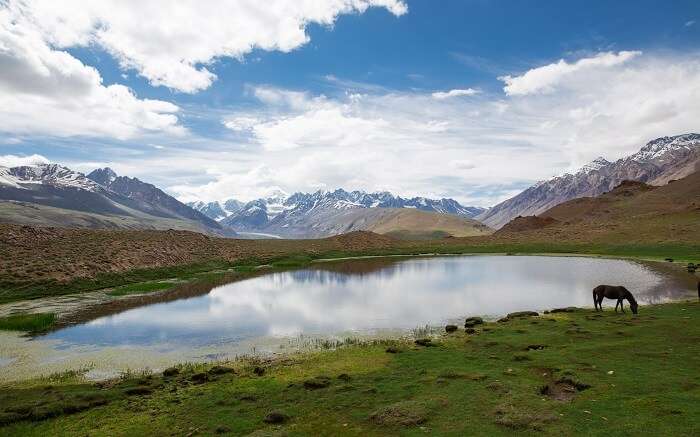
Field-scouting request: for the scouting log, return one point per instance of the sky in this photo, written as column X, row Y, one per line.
column 469, row 99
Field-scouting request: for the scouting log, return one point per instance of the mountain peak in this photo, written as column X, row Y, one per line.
column 658, row 148
column 103, row 176
column 594, row 165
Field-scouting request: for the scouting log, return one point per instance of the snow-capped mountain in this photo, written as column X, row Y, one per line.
column 46, row 174
column 51, row 194
column 279, row 203
column 656, row 163
column 279, row 212
column 217, row 210
column 148, row 197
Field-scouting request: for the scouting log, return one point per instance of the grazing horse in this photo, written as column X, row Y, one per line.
column 613, row 292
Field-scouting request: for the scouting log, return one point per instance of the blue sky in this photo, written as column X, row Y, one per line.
column 356, row 95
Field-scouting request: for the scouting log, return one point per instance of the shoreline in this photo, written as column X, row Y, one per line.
column 79, row 307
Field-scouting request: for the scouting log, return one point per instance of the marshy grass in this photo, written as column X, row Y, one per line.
column 36, row 322
column 143, row 287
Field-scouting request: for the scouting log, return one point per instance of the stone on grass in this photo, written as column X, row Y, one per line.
column 317, row 382
column 519, row 314
column 450, row 328
column 170, row 372
column 276, row 417
column 473, row 321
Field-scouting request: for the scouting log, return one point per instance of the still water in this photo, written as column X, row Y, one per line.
column 359, row 297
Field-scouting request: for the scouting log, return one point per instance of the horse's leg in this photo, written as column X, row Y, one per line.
column 617, row 304
column 622, row 305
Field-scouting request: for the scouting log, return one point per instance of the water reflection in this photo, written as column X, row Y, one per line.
column 369, row 296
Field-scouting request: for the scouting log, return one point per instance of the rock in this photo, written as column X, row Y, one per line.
column 344, row 377
column 260, row 371
column 424, row 342
column 222, row 429
column 170, row 372
column 519, row 314
column 220, row 370
column 503, row 320
column 276, row 417
column 535, row 347
column 138, row 391
column 450, row 328
column 199, row 378
column 473, row 321
column 317, row 382
column 563, row 310
column 470, row 331
column 393, row 350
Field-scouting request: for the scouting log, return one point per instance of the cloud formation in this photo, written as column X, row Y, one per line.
column 18, row 161
column 544, row 79
column 174, row 44
column 478, row 150
column 441, row 95
column 48, row 91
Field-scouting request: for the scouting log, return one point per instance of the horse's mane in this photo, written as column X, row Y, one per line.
column 630, row 296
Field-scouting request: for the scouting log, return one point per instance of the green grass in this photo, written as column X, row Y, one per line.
column 643, row 373
column 144, row 287
column 38, row 322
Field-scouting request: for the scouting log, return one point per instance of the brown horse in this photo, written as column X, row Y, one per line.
column 613, row 292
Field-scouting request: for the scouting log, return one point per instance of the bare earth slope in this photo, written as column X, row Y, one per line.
column 656, row 163
column 412, row 223
column 632, row 212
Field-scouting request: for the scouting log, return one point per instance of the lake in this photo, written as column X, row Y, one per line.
column 359, row 298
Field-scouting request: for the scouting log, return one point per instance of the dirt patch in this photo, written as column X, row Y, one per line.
column 406, row 413
column 518, row 418
column 559, row 392
column 276, row 417
column 317, row 382
column 527, row 223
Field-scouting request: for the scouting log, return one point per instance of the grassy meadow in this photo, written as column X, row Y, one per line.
column 562, row 373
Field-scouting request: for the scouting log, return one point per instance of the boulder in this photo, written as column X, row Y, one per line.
column 275, row 417
column 519, row 314
column 473, row 321
column 450, row 328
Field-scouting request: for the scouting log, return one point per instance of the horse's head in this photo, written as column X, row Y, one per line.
column 630, row 298
column 634, row 305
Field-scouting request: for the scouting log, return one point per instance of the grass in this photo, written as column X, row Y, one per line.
column 144, row 287
column 32, row 323
column 595, row 374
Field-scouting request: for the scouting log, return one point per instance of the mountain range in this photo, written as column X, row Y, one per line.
column 321, row 213
column 632, row 212
column 658, row 162
column 53, row 195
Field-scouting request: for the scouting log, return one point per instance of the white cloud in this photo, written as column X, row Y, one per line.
column 462, row 164
column 440, row 95
column 476, row 150
column 544, row 79
column 18, row 161
column 175, row 43
column 690, row 23
column 48, row 91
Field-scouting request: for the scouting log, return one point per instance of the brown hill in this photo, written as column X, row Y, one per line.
column 527, row 223
column 632, row 212
column 407, row 223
